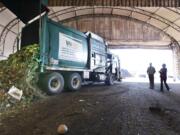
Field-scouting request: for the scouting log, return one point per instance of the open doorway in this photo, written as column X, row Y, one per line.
column 134, row 63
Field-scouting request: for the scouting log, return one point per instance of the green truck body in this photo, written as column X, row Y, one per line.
column 67, row 48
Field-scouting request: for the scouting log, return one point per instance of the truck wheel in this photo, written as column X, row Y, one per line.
column 54, row 83
column 74, row 81
column 109, row 80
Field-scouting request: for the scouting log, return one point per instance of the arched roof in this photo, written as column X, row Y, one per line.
column 167, row 19
column 164, row 18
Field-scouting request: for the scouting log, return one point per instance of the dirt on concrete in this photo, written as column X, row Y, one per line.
column 122, row 109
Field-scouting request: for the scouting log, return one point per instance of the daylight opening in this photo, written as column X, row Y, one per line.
column 134, row 63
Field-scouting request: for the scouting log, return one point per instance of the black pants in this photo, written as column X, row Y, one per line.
column 151, row 81
column 164, row 80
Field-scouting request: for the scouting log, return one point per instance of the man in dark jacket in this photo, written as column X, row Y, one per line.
column 163, row 76
column 150, row 71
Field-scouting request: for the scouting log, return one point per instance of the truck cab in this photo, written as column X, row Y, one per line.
column 113, row 69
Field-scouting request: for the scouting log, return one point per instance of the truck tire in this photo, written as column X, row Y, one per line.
column 109, row 80
column 74, row 82
column 54, row 83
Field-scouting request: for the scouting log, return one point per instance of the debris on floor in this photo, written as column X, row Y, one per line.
column 15, row 93
column 156, row 107
column 62, row 129
column 81, row 100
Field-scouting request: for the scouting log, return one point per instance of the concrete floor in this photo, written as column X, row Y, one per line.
column 122, row 109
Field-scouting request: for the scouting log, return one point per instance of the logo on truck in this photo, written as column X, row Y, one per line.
column 70, row 49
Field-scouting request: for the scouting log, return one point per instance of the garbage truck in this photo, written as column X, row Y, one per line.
column 69, row 58
column 73, row 57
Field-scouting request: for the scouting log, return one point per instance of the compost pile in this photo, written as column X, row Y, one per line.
column 20, row 70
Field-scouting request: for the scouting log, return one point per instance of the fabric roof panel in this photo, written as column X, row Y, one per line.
column 107, row 10
column 84, row 12
column 157, row 23
column 140, row 16
column 177, row 22
column 7, row 16
column 174, row 33
column 121, row 12
column 149, row 9
column 67, row 15
column 168, row 14
column 98, row 10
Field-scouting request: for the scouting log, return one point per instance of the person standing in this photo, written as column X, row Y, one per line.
column 151, row 71
column 163, row 77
